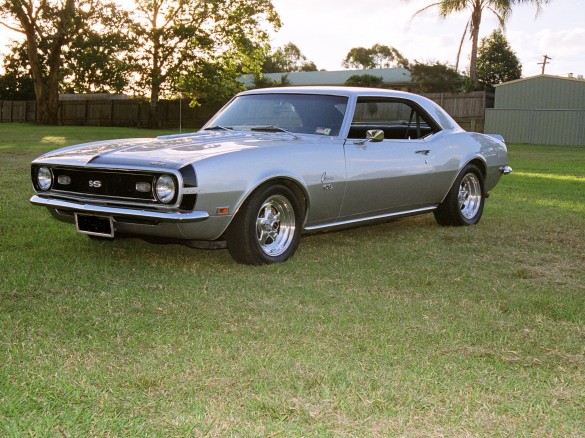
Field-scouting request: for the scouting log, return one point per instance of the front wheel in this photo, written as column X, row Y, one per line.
column 464, row 202
column 267, row 229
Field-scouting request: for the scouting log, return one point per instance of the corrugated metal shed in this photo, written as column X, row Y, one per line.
column 539, row 110
column 397, row 77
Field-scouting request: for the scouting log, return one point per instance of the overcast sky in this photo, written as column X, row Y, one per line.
column 325, row 30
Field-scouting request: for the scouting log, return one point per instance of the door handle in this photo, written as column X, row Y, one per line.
column 423, row 151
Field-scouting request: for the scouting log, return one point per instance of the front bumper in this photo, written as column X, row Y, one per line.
column 158, row 216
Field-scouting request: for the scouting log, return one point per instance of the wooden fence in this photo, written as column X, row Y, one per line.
column 467, row 108
column 115, row 112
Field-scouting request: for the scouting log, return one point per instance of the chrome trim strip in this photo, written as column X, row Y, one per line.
column 370, row 218
column 98, row 197
column 192, row 216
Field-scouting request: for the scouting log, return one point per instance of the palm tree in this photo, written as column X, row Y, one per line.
column 502, row 9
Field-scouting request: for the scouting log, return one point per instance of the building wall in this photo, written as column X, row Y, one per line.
column 539, row 110
column 537, row 126
column 541, row 92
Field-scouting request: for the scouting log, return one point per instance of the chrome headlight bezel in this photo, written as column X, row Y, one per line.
column 44, row 178
column 165, row 188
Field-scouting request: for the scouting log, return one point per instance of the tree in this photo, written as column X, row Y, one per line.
column 215, row 80
column 101, row 58
column 16, row 83
column 496, row 61
column 261, row 81
column 178, row 37
column 436, row 78
column 285, row 59
column 502, row 9
column 93, row 61
column 377, row 56
column 49, row 27
column 365, row 80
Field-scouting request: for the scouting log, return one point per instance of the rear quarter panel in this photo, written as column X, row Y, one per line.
column 452, row 151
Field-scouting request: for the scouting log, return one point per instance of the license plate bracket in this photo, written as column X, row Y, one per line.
column 94, row 225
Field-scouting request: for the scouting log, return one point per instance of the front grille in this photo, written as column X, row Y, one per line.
column 104, row 183
column 107, row 185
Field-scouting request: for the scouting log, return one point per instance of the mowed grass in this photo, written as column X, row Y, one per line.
column 405, row 328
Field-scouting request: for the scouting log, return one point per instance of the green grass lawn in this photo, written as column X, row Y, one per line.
column 405, row 328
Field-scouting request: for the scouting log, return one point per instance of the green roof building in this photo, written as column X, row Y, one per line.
column 396, row 78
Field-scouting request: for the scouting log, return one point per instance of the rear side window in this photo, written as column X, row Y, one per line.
column 399, row 119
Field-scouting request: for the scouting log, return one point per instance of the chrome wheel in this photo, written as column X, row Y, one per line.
column 464, row 203
column 267, row 229
column 469, row 196
column 275, row 225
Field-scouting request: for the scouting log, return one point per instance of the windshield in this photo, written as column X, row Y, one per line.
column 293, row 113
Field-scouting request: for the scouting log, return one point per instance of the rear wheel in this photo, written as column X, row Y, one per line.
column 267, row 229
column 464, row 202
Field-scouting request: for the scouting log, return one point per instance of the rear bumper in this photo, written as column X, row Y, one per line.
column 158, row 216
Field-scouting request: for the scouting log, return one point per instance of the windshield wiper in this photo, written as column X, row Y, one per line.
column 216, row 127
column 272, row 128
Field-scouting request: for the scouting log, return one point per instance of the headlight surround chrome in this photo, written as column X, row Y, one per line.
column 44, row 178
column 165, row 188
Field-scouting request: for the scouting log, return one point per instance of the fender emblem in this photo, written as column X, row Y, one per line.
column 325, row 178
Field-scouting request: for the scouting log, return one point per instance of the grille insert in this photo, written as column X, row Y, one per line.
column 106, row 184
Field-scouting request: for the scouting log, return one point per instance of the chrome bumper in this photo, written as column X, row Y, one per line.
column 162, row 216
column 505, row 170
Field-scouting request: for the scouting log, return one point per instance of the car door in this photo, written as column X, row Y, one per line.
column 393, row 174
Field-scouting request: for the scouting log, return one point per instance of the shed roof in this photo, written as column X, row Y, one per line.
column 531, row 78
column 541, row 92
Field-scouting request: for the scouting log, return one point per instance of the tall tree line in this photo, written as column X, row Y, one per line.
column 160, row 48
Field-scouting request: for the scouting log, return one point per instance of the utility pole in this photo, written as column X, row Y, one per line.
column 544, row 62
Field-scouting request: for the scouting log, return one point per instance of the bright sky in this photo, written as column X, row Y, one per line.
column 325, row 30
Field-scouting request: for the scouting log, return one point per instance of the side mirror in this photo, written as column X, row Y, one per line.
column 375, row 135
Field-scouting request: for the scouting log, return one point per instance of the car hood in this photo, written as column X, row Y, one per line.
column 172, row 151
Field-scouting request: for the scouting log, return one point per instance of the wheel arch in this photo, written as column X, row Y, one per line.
column 291, row 183
column 477, row 162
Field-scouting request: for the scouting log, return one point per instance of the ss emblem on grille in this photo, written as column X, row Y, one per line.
column 95, row 183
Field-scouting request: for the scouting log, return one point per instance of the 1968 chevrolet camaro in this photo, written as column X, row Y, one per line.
column 273, row 164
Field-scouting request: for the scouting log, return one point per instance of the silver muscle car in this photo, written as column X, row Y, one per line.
column 273, row 164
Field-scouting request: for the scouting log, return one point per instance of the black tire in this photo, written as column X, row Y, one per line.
column 465, row 201
column 267, row 229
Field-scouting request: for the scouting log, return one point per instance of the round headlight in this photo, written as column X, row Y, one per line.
column 165, row 188
column 44, row 178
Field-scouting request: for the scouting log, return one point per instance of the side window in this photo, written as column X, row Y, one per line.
column 398, row 119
